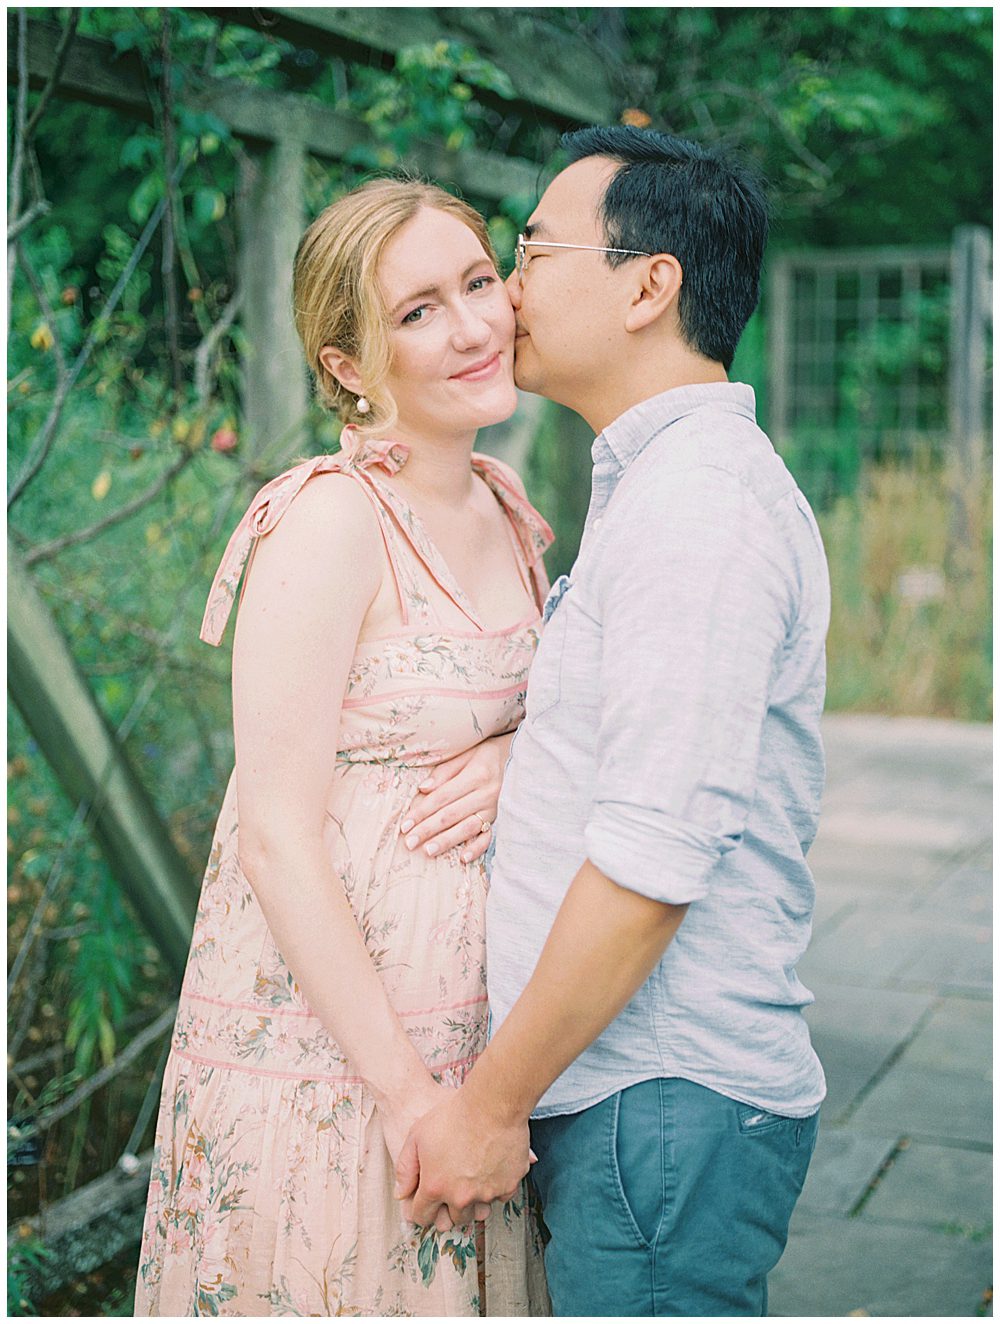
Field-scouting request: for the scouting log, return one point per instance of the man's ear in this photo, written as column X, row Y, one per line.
column 656, row 292
column 341, row 367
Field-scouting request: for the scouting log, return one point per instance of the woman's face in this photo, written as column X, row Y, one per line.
column 452, row 328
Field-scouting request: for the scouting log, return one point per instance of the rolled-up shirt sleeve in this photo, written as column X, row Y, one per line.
column 695, row 596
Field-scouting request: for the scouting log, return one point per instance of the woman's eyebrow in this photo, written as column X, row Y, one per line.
column 436, row 289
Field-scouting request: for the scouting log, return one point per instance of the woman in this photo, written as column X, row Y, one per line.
column 336, row 984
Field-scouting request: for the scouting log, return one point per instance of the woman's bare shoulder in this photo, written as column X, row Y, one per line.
column 332, row 515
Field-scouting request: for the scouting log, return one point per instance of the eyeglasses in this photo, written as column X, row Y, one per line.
column 520, row 257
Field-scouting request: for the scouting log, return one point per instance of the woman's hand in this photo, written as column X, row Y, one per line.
column 399, row 1118
column 457, row 803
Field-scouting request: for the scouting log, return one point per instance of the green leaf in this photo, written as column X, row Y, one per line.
column 427, row 1255
column 137, row 150
column 144, row 199
column 208, row 205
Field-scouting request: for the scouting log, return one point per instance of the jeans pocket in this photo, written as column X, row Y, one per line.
column 636, row 1158
column 756, row 1121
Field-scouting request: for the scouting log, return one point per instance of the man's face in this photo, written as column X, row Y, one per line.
column 568, row 303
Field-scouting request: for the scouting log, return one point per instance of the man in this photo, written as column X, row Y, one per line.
column 649, row 896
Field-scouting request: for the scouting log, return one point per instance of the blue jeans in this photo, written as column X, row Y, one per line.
column 667, row 1199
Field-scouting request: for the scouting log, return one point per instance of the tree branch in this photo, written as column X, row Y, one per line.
column 46, row 551
column 766, row 106
column 19, row 1032
column 44, row 438
column 38, row 289
column 205, row 350
column 20, row 147
column 48, row 892
column 169, row 161
column 100, row 1078
column 36, row 210
column 46, row 1056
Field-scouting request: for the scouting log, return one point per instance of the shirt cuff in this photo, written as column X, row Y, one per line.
column 648, row 852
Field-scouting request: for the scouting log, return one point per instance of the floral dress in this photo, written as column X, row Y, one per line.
column 272, row 1188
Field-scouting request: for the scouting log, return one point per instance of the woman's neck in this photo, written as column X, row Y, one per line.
column 438, row 468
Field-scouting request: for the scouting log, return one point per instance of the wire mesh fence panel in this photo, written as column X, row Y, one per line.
column 878, row 355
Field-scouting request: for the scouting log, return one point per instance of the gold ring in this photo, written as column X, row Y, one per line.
column 487, row 827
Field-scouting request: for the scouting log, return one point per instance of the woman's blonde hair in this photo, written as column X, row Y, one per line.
column 336, row 294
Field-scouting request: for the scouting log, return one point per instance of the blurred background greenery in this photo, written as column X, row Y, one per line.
column 162, row 162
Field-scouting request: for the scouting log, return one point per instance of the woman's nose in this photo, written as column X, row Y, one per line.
column 469, row 329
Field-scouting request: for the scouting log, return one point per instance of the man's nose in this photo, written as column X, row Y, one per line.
column 514, row 289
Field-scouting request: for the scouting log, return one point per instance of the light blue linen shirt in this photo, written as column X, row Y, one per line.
column 672, row 736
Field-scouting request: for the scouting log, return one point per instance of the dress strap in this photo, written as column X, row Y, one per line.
column 533, row 537
column 270, row 504
column 401, row 531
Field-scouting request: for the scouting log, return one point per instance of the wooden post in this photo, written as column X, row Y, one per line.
column 779, row 314
column 970, row 313
column 271, row 215
column 93, row 767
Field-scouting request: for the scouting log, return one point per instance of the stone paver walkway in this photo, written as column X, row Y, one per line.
column 895, row 1217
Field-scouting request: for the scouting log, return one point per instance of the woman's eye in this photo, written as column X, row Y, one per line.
column 481, row 283
column 412, row 318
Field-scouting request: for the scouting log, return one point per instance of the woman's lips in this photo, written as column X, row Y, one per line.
column 479, row 372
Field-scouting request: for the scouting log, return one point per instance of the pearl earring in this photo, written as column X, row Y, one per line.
column 362, row 405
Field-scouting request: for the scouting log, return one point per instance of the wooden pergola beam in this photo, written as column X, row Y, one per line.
column 92, row 766
column 555, row 75
column 95, row 72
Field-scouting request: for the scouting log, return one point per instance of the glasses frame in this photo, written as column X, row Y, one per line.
column 524, row 243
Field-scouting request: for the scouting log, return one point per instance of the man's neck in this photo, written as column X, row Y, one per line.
column 632, row 386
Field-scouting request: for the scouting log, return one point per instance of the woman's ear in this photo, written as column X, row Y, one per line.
column 656, row 292
column 340, row 366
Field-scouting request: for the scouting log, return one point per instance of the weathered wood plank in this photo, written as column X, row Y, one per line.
column 817, row 259
column 93, row 767
column 971, row 303
column 271, row 215
column 86, row 1229
column 555, row 74
column 95, row 72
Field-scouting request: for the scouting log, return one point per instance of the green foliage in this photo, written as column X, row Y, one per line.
column 868, row 122
column 429, row 94
column 100, row 975
column 24, row 1259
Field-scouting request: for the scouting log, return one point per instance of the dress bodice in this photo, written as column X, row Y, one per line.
column 427, row 691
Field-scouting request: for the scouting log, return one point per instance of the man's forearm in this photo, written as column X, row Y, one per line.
column 603, row 945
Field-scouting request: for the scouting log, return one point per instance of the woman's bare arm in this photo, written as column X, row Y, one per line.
column 313, row 580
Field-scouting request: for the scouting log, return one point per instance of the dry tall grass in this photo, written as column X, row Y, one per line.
column 910, row 571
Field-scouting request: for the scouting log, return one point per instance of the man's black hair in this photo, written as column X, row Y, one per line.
column 710, row 211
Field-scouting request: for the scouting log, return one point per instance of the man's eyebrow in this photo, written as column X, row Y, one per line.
column 535, row 228
column 436, row 289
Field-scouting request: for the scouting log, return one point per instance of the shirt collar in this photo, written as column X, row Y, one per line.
column 632, row 431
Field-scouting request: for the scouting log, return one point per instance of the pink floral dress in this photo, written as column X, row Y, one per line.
column 271, row 1189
